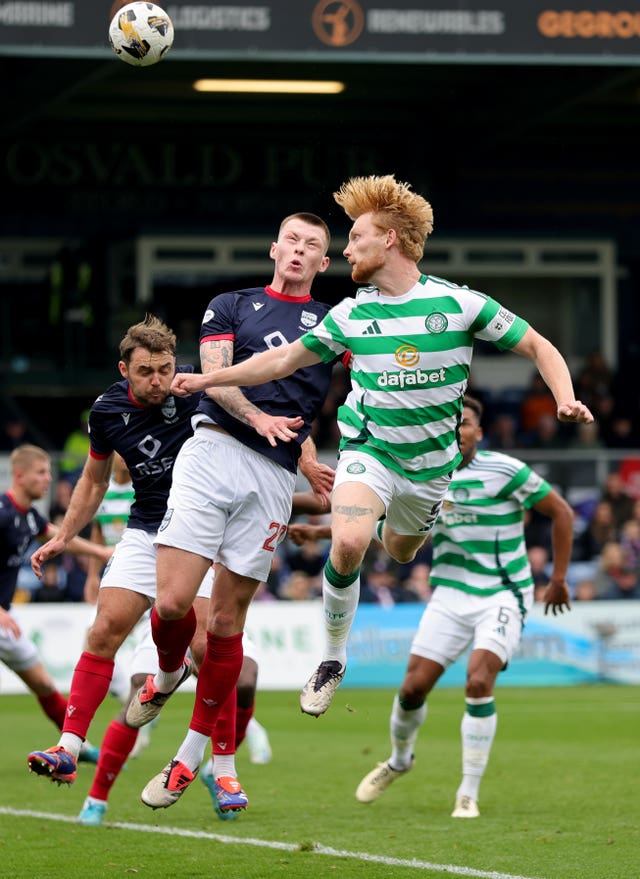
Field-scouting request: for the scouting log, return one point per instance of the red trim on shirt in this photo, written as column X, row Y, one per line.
column 271, row 292
column 228, row 336
column 15, row 502
column 98, row 457
column 133, row 400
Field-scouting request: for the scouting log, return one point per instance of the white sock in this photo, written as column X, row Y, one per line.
column 71, row 743
column 477, row 735
column 339, row 605
column 223, row 765
column 165, row 681
column 191, row 751
column 404, row 726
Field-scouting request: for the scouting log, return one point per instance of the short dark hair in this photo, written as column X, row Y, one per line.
column 312, row 220
column 474, row 405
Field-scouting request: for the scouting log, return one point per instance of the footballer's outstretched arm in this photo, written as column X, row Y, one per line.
column 261, row 368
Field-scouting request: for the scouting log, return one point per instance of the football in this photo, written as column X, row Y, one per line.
column 141, row 33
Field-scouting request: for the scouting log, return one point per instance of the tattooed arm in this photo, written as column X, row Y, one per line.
column 218, row 354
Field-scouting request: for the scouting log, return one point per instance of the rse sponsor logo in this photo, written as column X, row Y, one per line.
column 154, row 468
column 411, row 378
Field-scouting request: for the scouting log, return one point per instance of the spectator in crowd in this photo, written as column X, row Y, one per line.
column 15, row 432
column 299, row 586
column 379, row 586
column 620, row 431
column 537, row 402
column 503, row 432
column 586, row 437
column 600, row 530
column 584, row 591
column 52, row 587
column 625, row 586
column 630, row 543
column 538, row 561
column 263, row 593
column 615, row 493
column 60, row 501
column 537, row 529
column 594, row 380
column 614, row 579
column 278, row 572
column 310, row 558
column 630, row 474
column 418, row 583
column 548, row 433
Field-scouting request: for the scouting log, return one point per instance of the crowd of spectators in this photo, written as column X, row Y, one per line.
column 606, row 557
column 525, row 417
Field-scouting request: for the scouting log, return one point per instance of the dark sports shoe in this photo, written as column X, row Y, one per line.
column 319, row 690
column 58, row 764
column 147, row 702
column 167, row 787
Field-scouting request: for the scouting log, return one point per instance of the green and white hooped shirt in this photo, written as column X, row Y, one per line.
column 411, row 363
column 478, row 540
column 113, row 512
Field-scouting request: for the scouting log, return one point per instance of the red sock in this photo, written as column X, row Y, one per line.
column 243, row 716
column 224, row 735
column 55, row 707
column 89, row 686
column 172, row 638
column 116, row 746
column 216, row 680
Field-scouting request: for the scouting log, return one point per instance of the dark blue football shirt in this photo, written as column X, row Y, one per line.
column 148, row 438
column 255, row 320
column 18, row 528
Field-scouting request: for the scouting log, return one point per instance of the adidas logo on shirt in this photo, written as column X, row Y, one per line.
column 373, row 329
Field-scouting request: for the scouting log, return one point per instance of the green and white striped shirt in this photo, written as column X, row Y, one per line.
column 478, row 540
column 113, row 512
column 411, row 362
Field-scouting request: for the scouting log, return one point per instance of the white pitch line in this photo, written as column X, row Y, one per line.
column 315, row 848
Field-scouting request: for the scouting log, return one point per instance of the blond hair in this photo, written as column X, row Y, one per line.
column 395, row 207
column 22, row 457
column 152, row 334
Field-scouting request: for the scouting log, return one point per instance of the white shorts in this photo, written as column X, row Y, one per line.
column 453, row 619
column 411, row 507
column 18, row 653
column 145, row 656
column 133, row 566
column 227, row 503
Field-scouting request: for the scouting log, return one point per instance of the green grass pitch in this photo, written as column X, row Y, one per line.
column 558, row 801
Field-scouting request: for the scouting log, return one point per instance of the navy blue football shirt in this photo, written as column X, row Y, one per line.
column 148, row 438
column 18, row 528
column 256, row 320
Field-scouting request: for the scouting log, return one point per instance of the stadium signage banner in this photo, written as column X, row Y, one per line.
column 379, row 30
column 597, row 641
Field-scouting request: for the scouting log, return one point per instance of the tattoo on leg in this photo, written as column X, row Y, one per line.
column 353, row 512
